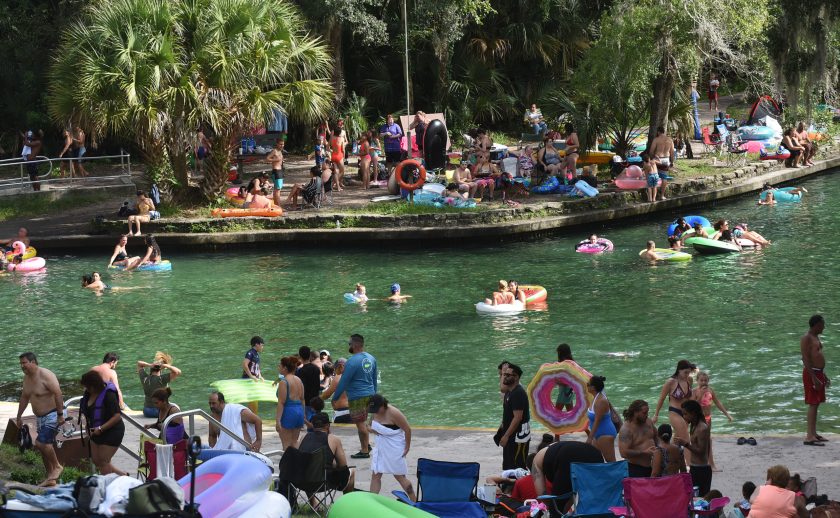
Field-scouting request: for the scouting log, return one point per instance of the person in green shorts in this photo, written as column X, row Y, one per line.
column 359, row 382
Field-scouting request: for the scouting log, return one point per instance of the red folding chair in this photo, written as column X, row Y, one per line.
column 656, row 497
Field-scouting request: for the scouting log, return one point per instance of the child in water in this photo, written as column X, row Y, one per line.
column 705, row 395
column 360, row 293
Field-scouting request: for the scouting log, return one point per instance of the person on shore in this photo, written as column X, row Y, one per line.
column 503, row 296
column 339, row 475
column 565, row 394
column 652, row 175
column 202, row 149
column 797, row 151
column 289, row 416
column 396, row 295
column 42, row 391
column 100, row 405
column 392, row 445
column 535, row 119
column 359, row 383
column 238, row 419
column 375, row 152
column 678, row 390
column 649, row 252
column 697, row 446
column 774, row 500
column 514, row 433
column 175, row 431
column 107, row 370
column 337, row 144
column 572, row 150
column 251, row 366
column 668, row 458
column 550, row 158
column 637, row 439
column 813, row 376
column 310, row 376
column 364, row 161
column 79, row 150
column 341, row 406
column 278, row 168
column 66, row 153
column 120, row 256
column 22, row 236
column 662, row 151
column 747, row 491
column 155, row 379
column 35, row 142
column 810, row 146
column 705, row 395
column 554, row 464
column 420, row 123
column 144, row 208
column 714, row 84
column 311, row 190
column 601, row 429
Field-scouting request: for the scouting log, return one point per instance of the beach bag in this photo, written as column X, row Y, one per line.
column 89, row 492
column 153, row 215
column 24, row 438
column 152, row 497
column 154, row 194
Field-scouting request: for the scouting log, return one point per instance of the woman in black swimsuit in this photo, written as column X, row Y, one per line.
column 120, row 256
column 678, row 390
column 101, row 408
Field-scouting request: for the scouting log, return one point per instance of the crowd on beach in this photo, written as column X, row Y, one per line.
column 307, row 380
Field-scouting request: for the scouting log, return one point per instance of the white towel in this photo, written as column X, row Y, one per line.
column 116, row 496
column 232, row 420
column 388, row 454
column 165, row 461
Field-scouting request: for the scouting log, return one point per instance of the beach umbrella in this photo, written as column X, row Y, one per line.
column 547, row 378
column 245, row 390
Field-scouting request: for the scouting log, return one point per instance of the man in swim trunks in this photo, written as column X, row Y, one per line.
column 278, row 169
column 637, row 439
column 662, row 150
column 41, row 389
column 108, row 372
column 359, row 383
column 813, row 376
column 514, row 433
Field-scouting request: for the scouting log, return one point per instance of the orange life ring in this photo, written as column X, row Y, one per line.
column 410, row 186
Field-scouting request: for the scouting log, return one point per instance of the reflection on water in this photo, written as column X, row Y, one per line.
column 737, row 316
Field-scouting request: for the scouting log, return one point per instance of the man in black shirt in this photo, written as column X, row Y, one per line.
column 514, row 434
column 310, row 376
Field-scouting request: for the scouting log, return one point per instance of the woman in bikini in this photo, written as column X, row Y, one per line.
column 572, row 151
column 668, row 458
column 120, row 256
column 705, row 395
column 678, row 390
column 337, row 144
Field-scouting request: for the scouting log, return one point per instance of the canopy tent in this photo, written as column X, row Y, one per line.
column 763, row 107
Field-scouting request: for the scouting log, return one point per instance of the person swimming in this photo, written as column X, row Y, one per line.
column 361, row 293
column 649, row 252
column 396, row 295
column 94, row 282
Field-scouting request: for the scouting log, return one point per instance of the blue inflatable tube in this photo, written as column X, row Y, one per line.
column 163, row 266
column 783, row 195
column 549, row 186
column 691, row 220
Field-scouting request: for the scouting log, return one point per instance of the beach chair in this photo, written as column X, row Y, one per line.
column 731, row 149
column 147, row 467
column 656, row 497
column 446, row 489
column 307, row 473
column 709, row 145
column 595, row 489
column 314, row 201
column 715, row 507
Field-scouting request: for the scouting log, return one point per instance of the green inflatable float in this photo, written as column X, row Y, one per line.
column 370, row 505
column 245, row 390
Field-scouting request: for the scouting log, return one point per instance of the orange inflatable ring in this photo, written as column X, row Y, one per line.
column 421, row 179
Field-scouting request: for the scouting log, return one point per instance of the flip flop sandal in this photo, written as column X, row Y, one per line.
column 812, row 443
column 821, row 438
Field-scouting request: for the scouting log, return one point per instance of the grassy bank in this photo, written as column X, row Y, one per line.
column 27, row 467
column 15, row 207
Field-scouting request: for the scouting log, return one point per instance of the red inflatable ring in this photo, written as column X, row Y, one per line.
column 421, row 178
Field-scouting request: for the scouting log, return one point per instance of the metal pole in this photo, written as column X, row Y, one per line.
column 407, row 77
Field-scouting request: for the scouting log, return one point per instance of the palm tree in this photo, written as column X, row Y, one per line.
column 156, row 70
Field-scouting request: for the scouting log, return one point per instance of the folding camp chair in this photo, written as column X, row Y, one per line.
column 709, row 145
column 315, row 200
column 731, row 150
column 446, row 489
column 656, row 497
column 306, row 472
column 596, row 488
column 715, row 507
column 147, row 467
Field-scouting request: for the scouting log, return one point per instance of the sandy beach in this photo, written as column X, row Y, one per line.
column 738, row 463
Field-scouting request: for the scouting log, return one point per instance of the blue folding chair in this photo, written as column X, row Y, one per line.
column 446, row 489
column 596, row 488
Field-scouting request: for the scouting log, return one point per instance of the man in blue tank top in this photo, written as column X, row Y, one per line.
column 359, row 381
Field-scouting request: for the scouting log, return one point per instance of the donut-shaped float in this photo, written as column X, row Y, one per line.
column 160, row 266
column 600, row 245
column 691, row 220
column 18, row 248
column 28, row 265
column 558, row 420
column 500, row 309
column 633, row 178
column 534, row 293
column 232, row 195
column 411, row 181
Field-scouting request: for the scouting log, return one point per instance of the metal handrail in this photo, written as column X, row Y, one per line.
column 212, row 420
column 23, row 180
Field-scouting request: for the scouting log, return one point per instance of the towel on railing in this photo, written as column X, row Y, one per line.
column 165, row 461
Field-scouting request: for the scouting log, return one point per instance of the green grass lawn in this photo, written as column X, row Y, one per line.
column 13, row 207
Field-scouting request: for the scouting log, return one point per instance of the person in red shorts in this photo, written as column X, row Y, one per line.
column 813, row 376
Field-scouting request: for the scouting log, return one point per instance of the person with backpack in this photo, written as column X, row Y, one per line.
column 101, row 407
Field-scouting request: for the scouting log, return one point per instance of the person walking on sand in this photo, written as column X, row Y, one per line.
column 155, row 379
column 359, row 382
column 108, row 372
column 705, row 395
column 392, row 444
column 813, row 376
column 41, row 390
column 514, row 433
column 637, row 439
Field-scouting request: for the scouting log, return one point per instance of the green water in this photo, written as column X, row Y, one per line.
column 737, row 316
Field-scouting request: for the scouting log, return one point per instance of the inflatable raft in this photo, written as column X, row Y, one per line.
column 756, row 132
column 633, row 178
column 668, row 255
column 274, row 212
column 598, row 247
column 232, row 195
column 162, row 266
column 368, row 505
column 28, row 265
column 500, row 309
column 586, row 189
column 691, row 220
column 783, row 195
column 534, row 293
column 711, row 246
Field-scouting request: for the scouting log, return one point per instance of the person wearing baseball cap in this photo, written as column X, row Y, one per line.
column 678, row 390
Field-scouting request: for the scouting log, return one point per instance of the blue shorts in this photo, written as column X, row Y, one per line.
column 278, row 183
column 292, row 418
column 652, row 180
column 47, row 428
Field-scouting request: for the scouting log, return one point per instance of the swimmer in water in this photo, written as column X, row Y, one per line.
column 396, row 296
column 518, row 293
column 360, row 293
column 649, row 253
column 674, row 243
column 699, row 231
column 94, row 282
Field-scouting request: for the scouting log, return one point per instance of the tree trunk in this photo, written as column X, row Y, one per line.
column 216, row 167
column 441, row 50
column 663, row 88
column 334, row 35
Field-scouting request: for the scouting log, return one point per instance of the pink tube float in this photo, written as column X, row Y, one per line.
column 633, row 178
column 33, row 264
column 599, row 246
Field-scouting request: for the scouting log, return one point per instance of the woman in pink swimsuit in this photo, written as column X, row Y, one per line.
column 705, row 395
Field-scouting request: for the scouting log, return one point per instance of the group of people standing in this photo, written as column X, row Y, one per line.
column 71, row 154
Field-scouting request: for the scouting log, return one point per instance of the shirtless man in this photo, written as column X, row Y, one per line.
column 40, row 388
column 396, row 296
column 662, row 151
column 108, row 371
column 813, row 376
column 649, row 253
column 697, row 446
column 278, row 170
column 637, row 439
column 22, row 236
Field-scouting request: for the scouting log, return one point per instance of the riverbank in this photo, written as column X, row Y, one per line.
column 538, row 217
column 738, row 463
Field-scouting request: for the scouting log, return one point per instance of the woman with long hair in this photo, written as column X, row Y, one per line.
column 678, row 390
column 101, row 407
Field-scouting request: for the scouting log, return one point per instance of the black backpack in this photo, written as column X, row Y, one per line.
column 152, row 497
column 24, row 438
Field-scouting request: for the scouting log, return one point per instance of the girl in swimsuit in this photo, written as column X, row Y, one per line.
column 705, row 395
column 572, row 148
column 678, row 390
column 518, row 294
column 364, row 161
column 337, row 157
column 289, row 414
column 375, row 149
column 601, row 430
column 120, row 256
